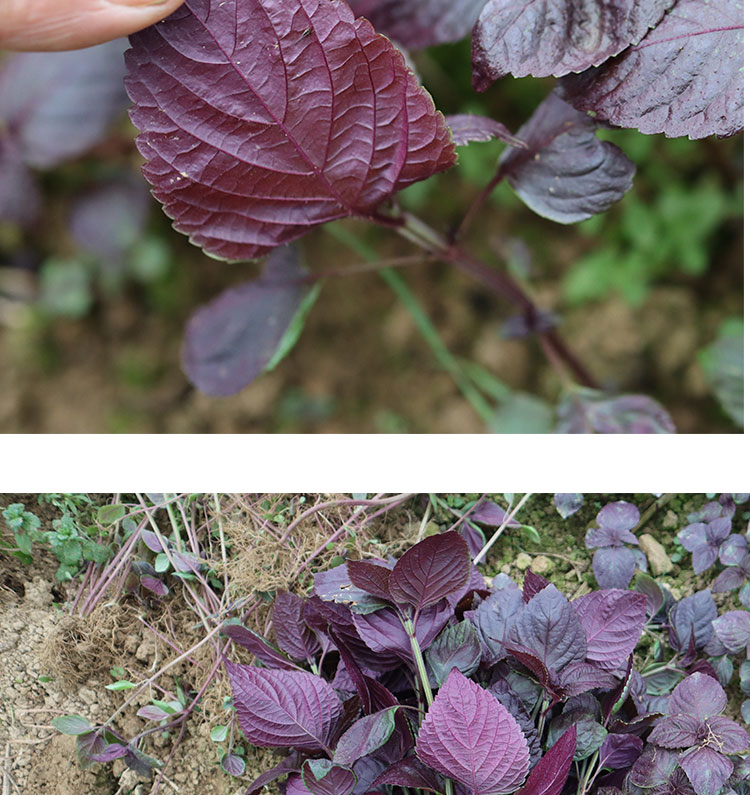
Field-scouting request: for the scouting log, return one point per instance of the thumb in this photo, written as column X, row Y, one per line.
column 70, row 24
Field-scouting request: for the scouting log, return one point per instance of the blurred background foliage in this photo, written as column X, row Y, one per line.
column 95, row 292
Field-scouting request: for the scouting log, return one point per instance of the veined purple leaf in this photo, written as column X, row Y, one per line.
column 468, row 127
column 732, row 577
column 289, row 765
column 493, row 619
column 698, row 695
column 683, row 78
column 260, row 120
column 456, row 646
column 654, row 767
column 155, row 585
column 733, row 550
column 474, row 537
column 491, row 514
column 292, row 633
column 233, row 764
column 727, row 736
column 321, row 777
column 533, row 584
column 152, row 712
column 61, row 104
column 470, row 737
column 707, row 769
column 551, row 773
column 502, row 690
column 258, row 646
column 555, row 37
column 692, row 615
column 434, row 569
column 653, row 592
column 589, row 411
column 619, row 517
column 110, row 752
column 568, row 504
column 613, row 621
column 547, row 678
column 733, row 630
column 370, row 577
column 566, row 173
column 335, row 585
column 549, row 627
column 233, row 339
column 284, row 709
column 580, row 677
column 410, row 772
column 676, row 731
column 420, row 23
column 614, row 567
column 365, row 736
column 620, row 750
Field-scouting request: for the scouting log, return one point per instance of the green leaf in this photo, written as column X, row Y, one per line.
column 24, row 543
column 72, row 724
column 95, row 552
column 109, row 514
column 522, row 413
column 723, row 364
column 118, row 672
column 294, row 330
column 161, row 564
column 69, row 552
column 219, row 733
column 531, row 533
column 122, row 684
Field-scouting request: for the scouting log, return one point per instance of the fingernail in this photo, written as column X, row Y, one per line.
column 142, row 3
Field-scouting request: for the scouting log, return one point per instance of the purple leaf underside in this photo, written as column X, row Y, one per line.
column 566, row 174
column 556, row 37
column 470, row 737
column 614, row 567
column 232, row 340
column 262, row 119
column 284, row 709
column 684, row 78
column 420, row 23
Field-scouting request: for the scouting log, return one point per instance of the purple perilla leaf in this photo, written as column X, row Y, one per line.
column 321, row 777
column 470, row 737
column 733, row 550
column 232, row 340
column 620, row 750
column 260, row 120
column 733, row 630
column 365, row 736
column 289, row 765
column 491, row 514
column 734, row 576
column 551, row 773
column 456, row 646
column 420, row 23
column 565, row 173
column 284, row 709
column 555, row 37
column 410, row 772
column 580, row 677
column 505, row 694
column 707, row 769
column 335, row 585
column 568, row 504
column 654, row 767
column 548, row 679
column 434, row 569
column 155, row 585
column 61, row 104
column 612, row 621
column 370, row 577
column 698, row 695
column 233, row 764
column 614, row 566
column 474, row 537
column 591, row 411
column 493, row 619
column 683, row 78
column 692, row 616
column 704, row 541
column 533, row 584
column 292, row 633
column 549, row 627
column 257, row 645
column 468, row 127
column 110, row 752
column 676, row 731
column 619, row 517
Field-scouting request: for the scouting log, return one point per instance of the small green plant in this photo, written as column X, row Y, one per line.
column 70, row 542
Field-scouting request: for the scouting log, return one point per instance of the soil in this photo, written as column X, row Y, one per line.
column 35, row 635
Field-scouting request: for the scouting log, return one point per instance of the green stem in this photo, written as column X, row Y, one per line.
column 424, row 678
column 585, row 783
column 424, row 325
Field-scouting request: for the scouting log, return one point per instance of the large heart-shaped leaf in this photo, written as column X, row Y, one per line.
column 284, row 709
column 555, row 37
column 566, row 173
column 420, row 23
column 472, row 738
column 264, row 118
column 684, row 78
column 247, row 329
column 434, row 569
column 613, row 621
